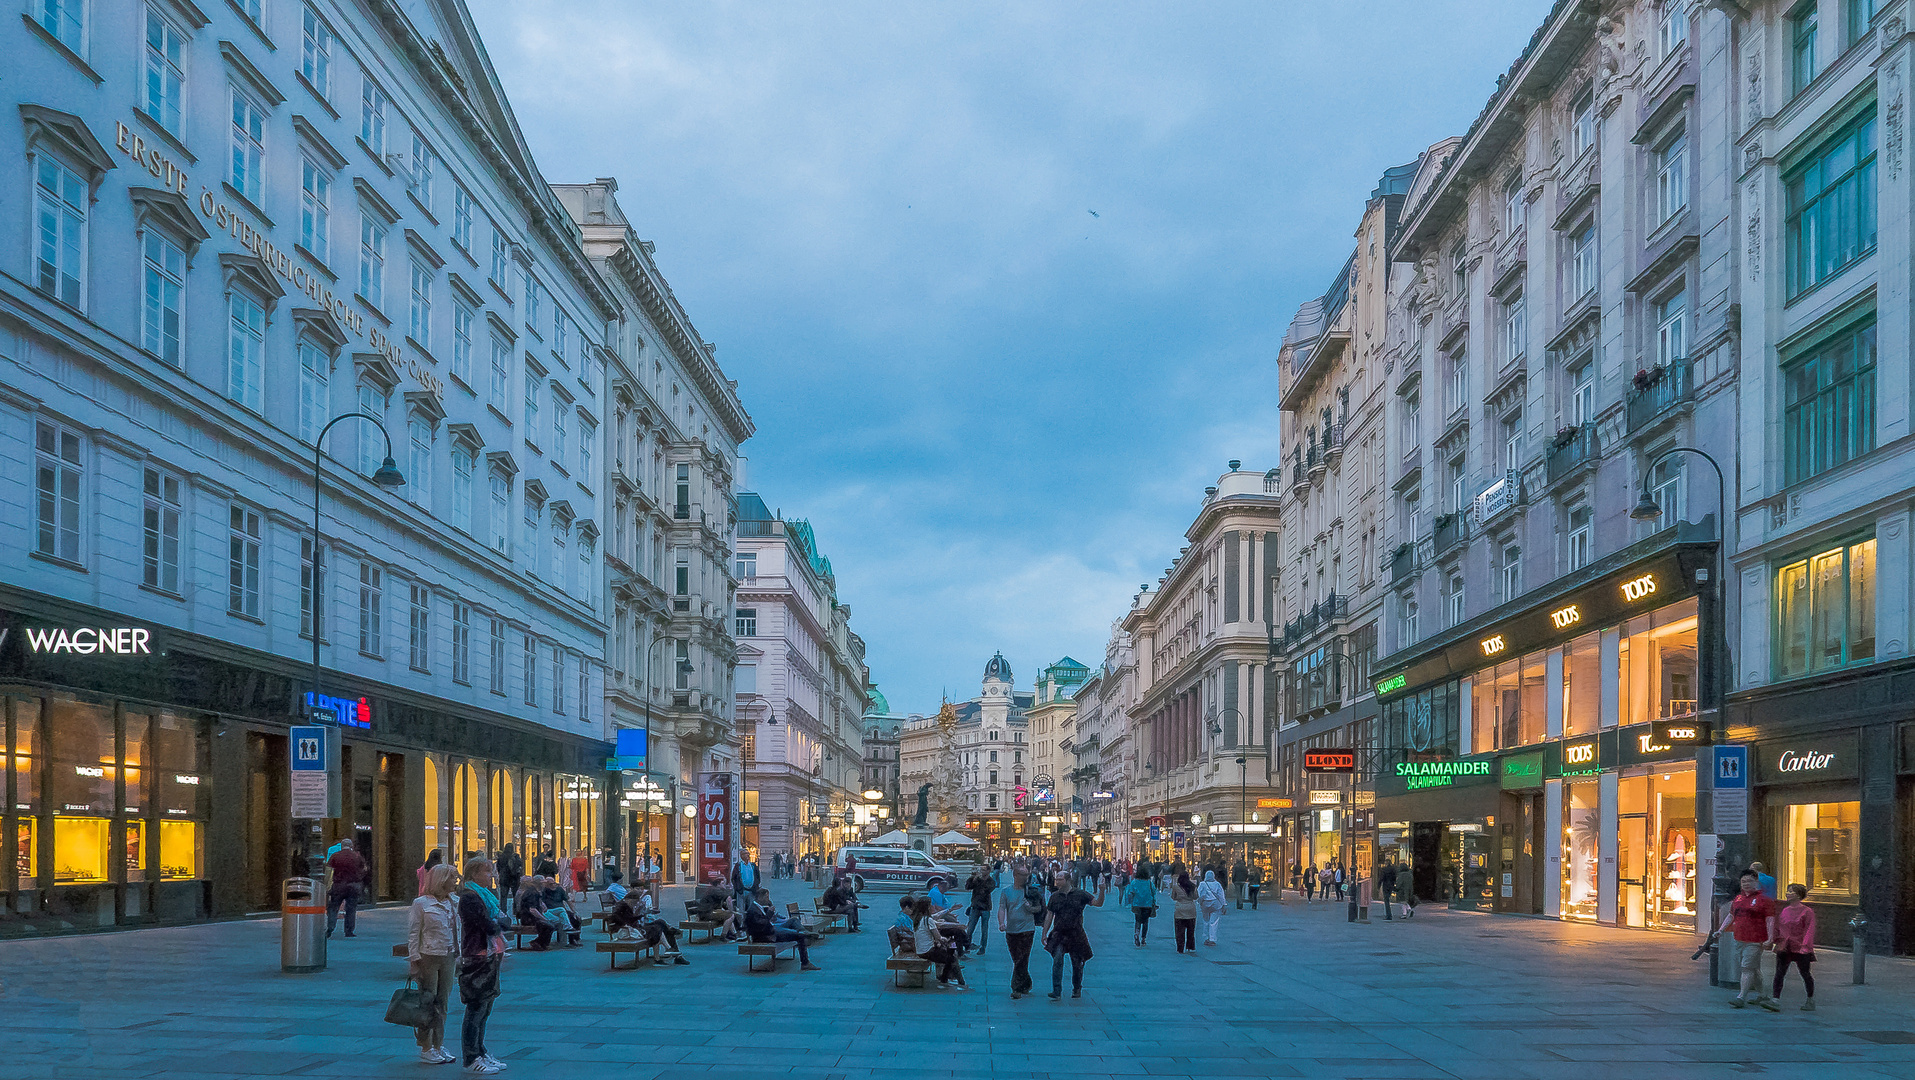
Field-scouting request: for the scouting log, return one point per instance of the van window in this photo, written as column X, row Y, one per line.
column 878, row 858
column 918, row 859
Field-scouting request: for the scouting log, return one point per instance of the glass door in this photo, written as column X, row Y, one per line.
column 1635, row 889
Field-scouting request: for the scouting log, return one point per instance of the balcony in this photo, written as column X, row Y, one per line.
column 1402, row 565
column 1500, row 497
column 1298, row 481
column 1451, row 530
column 1412, row 469
column 1316, row 461
column 1332, row 442
column 1573, row 450
column 1331, row 609
column 1660, row 393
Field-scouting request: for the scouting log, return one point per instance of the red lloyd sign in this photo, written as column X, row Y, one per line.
column 713, row 839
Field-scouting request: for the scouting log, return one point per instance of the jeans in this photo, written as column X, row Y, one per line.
column 980, row 922
column 1020, row 946
column 1143, row 924
column 1253, row 896
column 1057, row 971
column 1801, row 962
column 782, row 934
column 478, row 988
column 1186, row 934
column 437, row 975
column 946, row 959
column 347, row 895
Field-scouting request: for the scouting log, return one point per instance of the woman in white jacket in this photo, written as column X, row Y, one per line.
column 1210, row 902
column 432, row 948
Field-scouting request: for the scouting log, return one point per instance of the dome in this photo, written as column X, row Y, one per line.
column 879, row 706
column 999, row 668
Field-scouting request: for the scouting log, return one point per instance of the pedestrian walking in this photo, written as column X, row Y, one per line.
column 510, row 869
column 432, row 955
column 1239, row 881
column 433, row 858
column 1211, row 901
column 1183, row 914
column 581, row 871
column 348, row 880
column 1141, row 897
column 545, row 865
column 481, row 954
column 1339, row 881
column 744, row 881
column 1385, row 886
column 1064, row 934
column 982, row 886
column 1751, row 916
column 1795, row 943
column 1255, row 883
column 1019, row 905
column 1310, row 883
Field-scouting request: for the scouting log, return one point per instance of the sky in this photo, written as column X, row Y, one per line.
column 1002, row 284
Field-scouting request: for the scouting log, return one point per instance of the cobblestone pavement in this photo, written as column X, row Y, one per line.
column 1289, row 992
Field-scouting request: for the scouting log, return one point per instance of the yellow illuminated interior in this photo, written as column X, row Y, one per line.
column 179, row 849
column 79, row 850
column 136, row 851
column 26, row 856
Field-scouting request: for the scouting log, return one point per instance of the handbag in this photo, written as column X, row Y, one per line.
column 411, row 1006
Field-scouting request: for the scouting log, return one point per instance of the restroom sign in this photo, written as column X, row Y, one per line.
column 1730, row 801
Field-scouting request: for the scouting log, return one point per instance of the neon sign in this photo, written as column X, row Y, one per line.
column 348, row 711
column 1638, row 588
column 1566, row 617
column 1494, row 644
column 1393, row 683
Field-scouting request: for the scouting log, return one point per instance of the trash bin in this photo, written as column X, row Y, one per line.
column 302, row 926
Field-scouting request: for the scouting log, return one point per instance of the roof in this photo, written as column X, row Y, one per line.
column 879, row 706
column 752, row 508
column 998, row 668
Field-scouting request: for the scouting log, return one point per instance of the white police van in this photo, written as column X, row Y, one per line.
column 894, row 868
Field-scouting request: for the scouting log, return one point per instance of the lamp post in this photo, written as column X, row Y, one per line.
column 387, row 476
column 684, row 668
column 1715, row 672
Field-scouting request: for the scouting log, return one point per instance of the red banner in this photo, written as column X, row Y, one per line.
column 713, row 839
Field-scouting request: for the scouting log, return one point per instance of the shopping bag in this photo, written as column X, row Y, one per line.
column 411, row 1006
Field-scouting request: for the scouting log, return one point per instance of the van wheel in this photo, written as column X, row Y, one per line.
column 857, row 883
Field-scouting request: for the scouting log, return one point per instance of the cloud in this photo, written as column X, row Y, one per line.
column 998, row 411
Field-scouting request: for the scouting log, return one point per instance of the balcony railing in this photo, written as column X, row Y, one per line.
column 1332, row 442
column 1402, row 564
column 1658, row 392
column 1313, row 458
column 1298, row 481
column 1573, row 450
column 1451, row 530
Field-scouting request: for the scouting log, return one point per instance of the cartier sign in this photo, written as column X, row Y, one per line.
column 1806, row 761
column 1828, row 757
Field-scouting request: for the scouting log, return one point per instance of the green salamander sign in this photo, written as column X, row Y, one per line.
column 1430, row 774
column 1391, row 684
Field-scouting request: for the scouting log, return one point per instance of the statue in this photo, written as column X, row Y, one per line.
column 924, row 799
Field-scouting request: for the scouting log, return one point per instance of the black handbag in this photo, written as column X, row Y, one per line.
column 411, row 1006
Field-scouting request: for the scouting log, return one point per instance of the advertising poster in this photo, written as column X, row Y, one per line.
column 713, row 840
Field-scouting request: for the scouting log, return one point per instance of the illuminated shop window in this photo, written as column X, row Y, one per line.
column 79, row 850
column 1819, row 848
column 179, row 850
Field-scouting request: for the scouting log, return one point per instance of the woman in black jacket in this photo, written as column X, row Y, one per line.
column 481, row 952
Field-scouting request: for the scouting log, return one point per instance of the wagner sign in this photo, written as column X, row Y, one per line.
column 88, row 640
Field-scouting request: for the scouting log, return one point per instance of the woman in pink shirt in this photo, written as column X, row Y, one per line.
column 1795, row 941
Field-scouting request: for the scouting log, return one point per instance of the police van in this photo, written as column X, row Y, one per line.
column 893, row 868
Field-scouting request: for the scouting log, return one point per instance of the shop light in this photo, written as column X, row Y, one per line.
column 1472, row 827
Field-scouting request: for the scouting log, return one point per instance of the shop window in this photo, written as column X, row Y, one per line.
column 1582, row 832
column 179, row 850
column 26, row 777
column 1582, row 685
column 1825, row 610
column 79, row 850
column 26, row 854
column 1672, row 818
column 80, row 746
column 135, row 851
column 432, row 805
column 1819, row 848
column 1658, row 665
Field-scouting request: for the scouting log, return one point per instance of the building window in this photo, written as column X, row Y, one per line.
column 1804, row 26
column 65, row 20
column 531, row 406
column 1459, row 381
column 558, row 680
column 1455, row 598
column 1582, row 394
column 495, row 651
column 1515, row 329
column 249, row 147
column 501, row 261
column 461, row 644
column 165, row 70
column 1860, row 14
column 683, row 664
column 1513, row 443
column 462, row 317
column 1666, row 488
column 1825, row 610
column 1582, row 123
column 1821, row 848
column 501, row 490
column 990, row 802
column 1579, row 537
column 372, row 402
column 315, row 209
column 419, row 321
column 372, row 610
column 1412, row 422
column 462, row 217
column 1515, row 207
column 682, row 506
column 419, row 437
column 746, row 566
column 372, row 259
column 61, row 201
column 1406, row 619
column 420, row 180
column 747, row 622
column 561, row 336
column 1511, row 572
column 1583, row 261
column 587, row 555
column 242, row 563
column 312, row 572
column 1672, row 177
column 682, row 582
column 163, row 299
column 1459, row 269
column 1671, row 318
column 315, row 56
column 161, row 525
column 584, row 692
column 531, row 670
column 1672, row 27
column 419, row 627
column 372, row 119
column 587, row 433
column 501, row 371
column 532, row 291
column 245, row 351
column 558, row 553
column 559, row 431
column 1828, row 413
column 1831, row 205
column 463, row 464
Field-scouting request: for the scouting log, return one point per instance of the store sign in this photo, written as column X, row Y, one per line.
column 89, row 770
column 1523, row 771
column 1565, row 617
column 1581, row 757
column 1636, row 588
column 1807, row 760
column 1682, row 732
column 88, row 640
column 1418, row 775
column 1494, row 645
column 1326, row 798
column 1275, row 804
column 1392, row 684
column 1338, row 761
column 346, row 712
column 714, row 825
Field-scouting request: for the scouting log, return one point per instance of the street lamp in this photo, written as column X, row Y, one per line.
column 684, row 668
column 386, row 476
column 1714, row 675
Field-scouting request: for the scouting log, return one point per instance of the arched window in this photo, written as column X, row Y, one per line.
column 433, row 839
column 499, row 829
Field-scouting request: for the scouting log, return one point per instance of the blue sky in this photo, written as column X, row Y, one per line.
column 998, row 410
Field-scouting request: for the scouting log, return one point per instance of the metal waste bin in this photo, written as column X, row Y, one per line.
column 302, row 926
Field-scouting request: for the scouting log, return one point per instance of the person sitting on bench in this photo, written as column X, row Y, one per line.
column 713, row 904
column 615, row 884
column 764, row 927
column 840, row 899
column 633, row 919
column 558, row 905
column 529, row 910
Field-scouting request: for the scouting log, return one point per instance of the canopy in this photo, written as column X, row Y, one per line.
column 953, row 839
column 894, row 838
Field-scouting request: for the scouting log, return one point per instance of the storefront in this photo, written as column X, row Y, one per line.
column 1546, row 755
column 147, row 777
column 1809, row 787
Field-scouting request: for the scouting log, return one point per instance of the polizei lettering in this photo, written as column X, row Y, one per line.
column 125, row 640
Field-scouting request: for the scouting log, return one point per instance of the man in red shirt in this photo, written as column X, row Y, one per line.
column 1752, row 916
column 348, row 880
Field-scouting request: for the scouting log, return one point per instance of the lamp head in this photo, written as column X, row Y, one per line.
column 388, row 475
column 1646, row 510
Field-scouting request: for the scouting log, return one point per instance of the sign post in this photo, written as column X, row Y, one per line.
column 1722, row 791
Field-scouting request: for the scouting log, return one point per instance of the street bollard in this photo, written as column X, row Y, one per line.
column 1858, row 946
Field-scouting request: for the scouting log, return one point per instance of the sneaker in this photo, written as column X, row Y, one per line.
column 481, row 1067
column 430, row 1055
column 682, row 961
column 495, row 1062
column 811, row 967
column 1738, row 1003
column 1808, row 1006
column 1769, row 1004
column 1077, row 991
column 446, row 1057
column 1055, row 994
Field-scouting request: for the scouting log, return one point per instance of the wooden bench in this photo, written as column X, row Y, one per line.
column 811, row 931
column 831, row 920
column 773, row 949
column 693, row 926
column 906, row 966
column 519, row 934
column 636, row 948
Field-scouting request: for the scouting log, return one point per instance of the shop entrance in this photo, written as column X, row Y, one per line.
column 269, row 837
column 1632, row 868
column 1429, row 876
